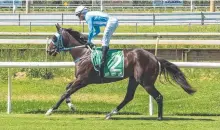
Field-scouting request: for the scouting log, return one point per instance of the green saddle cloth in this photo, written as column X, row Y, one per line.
column 114, row 67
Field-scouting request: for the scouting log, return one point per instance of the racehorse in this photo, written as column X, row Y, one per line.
column 140, row 66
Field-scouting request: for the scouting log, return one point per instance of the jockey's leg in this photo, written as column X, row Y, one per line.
column 103, row 62
column 112, row 24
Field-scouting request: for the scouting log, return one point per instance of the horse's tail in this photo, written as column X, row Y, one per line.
column 176, row 74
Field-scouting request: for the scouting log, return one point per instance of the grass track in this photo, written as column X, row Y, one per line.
column 97, row 122
column 121, row 28
column 38, row 95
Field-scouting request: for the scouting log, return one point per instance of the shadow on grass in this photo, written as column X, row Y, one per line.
column 197, row 114
column 164, row 119
column 81, row 112
column 132, row 113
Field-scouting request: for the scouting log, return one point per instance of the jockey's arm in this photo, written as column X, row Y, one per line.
column 97, row 31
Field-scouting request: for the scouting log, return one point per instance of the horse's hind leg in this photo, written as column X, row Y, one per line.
column 157, row 96
column 128, row 97
column 68, row 99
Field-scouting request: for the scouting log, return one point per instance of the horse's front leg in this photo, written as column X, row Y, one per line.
column 78, row 84
column 68, row 99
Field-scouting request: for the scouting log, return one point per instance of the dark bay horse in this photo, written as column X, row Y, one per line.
column 140, row 66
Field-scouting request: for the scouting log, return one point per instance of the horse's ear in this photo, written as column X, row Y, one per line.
column 58, row 27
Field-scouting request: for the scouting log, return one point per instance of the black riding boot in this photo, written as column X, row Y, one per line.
column 103, row 62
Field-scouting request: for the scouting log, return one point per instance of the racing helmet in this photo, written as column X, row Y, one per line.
column 80, row 9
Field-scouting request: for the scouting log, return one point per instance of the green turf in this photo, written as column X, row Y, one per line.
column 37, row 95
column 31, row 98
column 121, row 28
column 97, row 122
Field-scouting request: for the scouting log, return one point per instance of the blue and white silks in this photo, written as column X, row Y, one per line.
column 95, row 20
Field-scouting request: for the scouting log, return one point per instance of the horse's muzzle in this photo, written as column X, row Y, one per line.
column 53, row 52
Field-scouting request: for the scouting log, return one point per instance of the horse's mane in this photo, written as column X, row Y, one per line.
column 77, row 35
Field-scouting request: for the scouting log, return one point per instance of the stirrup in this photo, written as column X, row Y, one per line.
column 98, row 67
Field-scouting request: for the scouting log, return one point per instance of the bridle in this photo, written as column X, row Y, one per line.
column 59, row 42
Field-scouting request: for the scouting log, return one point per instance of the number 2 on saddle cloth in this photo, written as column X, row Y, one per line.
column 114, row 67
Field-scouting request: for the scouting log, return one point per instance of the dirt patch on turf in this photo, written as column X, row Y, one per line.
column 20, row 75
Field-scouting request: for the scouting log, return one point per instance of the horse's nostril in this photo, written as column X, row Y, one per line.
column 49, row 51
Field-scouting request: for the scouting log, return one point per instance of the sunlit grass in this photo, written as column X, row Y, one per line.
column 121, row 28
column 97, row 122
column 27, row 93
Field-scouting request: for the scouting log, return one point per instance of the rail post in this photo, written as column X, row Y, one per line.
column 62, row 18
column 153, row 19
column 189, row 27
column 202, row 18
column 136, row 26
column 30, row 27
column 19, row 19
column 9, row 92
column 9, row 85
column 150, row 97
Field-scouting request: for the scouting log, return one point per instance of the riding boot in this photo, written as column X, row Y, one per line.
column 103, row 61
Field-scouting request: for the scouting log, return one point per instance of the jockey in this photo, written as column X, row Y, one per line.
column 96, row 19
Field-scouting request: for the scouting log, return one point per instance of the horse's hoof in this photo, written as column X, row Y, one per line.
column 49, row 112
column 71, row 106
column 108, row 116
column 160, row 118
column 73, row 109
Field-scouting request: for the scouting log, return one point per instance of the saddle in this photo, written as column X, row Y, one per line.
column 114, row 67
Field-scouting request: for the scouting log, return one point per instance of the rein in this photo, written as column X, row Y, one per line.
column 70, row 48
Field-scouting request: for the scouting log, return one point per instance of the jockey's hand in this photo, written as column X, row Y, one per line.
column 91, row 45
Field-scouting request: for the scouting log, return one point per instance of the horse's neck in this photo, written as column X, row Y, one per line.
column 78, row 52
